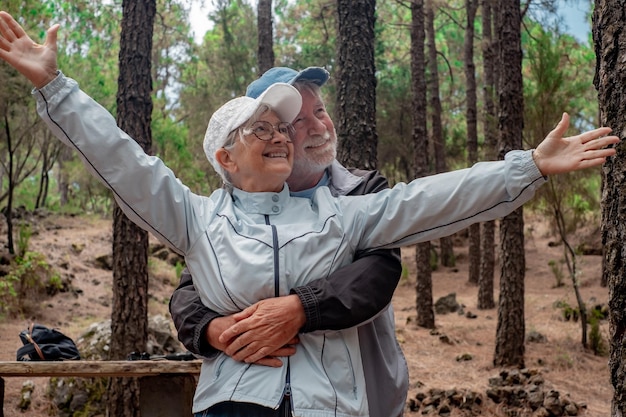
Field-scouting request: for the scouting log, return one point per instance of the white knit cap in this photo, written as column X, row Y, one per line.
column 283, row 98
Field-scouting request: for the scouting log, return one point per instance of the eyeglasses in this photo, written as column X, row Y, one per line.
column 265, row 130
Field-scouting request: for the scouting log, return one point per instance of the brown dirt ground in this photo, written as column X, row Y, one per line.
column 565, row 366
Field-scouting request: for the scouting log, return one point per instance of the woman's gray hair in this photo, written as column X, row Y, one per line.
column 232, row 137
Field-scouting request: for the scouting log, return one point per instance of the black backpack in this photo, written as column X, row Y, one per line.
column 44, row 344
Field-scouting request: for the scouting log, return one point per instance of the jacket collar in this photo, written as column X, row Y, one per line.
column 261, row 203
column 342, row 181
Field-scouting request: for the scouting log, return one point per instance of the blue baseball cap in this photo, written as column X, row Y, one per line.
column 317, row 75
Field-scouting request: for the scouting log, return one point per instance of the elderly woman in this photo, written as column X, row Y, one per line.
column 251, row 240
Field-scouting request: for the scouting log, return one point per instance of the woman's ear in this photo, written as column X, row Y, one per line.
column 224, row 158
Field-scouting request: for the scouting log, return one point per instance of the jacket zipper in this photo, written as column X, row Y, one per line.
column 288, row 410
column 287, row 391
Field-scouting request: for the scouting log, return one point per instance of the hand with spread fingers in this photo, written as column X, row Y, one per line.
column 36, row 62
column 558, row 155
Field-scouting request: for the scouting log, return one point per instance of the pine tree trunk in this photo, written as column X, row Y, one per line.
column 439, row 150
column 609, row 35
column 63, row 185
column 487, row 266
column 356, row 86
column 265, row 53
column 129, row 318
column 472, row 132
column 423, row 286
column 487, row 237
column 511, row 330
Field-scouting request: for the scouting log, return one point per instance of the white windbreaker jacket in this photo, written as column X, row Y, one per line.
column 244, row 247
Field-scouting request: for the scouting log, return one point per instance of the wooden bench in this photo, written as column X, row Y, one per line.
column 167, row 387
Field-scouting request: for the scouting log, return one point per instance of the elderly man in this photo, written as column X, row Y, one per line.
column 348, row 297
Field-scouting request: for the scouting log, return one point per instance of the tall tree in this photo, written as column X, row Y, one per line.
column 446, row 250
column 471, row 111
column 424, row 283
column 509, row 349
column 265, row 54
column 487, row 235
column 50, row 151
column 356, row 88
column 129, row 317
column 609, row 37
column 20, row 160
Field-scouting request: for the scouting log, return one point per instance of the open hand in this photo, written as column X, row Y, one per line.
column 557, row 155
column 36, row 62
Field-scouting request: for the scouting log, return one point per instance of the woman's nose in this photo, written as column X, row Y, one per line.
column 279, row 137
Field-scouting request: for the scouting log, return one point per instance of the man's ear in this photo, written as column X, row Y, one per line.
column 224, row 158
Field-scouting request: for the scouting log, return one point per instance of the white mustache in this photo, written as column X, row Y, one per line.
column 318, row 140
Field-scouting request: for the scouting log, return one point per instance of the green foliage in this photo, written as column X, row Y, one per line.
column 564, row 360
column 404, row 275
column 191, row 81
column 558, row 76
column 434, row 259
column 94, row 388
column 557, row 270
column 178, row 268
column 568, row 312
column 24, row 233
column 306, row 35
column 596, row 342
column 29, row 279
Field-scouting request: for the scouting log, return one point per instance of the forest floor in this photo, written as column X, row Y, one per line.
column 71, row 245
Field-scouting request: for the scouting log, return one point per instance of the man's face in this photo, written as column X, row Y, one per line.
column 315, row 142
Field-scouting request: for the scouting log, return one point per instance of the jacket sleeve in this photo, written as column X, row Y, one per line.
column 191, row 317
column 357, row 292
column 120, row 164
column 439, row 205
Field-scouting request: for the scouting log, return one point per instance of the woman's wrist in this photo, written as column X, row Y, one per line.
column 45, row 80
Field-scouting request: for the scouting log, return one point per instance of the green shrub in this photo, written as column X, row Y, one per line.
column 557, row 271
column 29, row 280
column 596, row 342
column 568, row 312
column 24, row 233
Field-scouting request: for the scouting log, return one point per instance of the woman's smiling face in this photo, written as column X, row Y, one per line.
column 262, row 165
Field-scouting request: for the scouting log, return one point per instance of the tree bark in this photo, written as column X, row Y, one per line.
column 472, row 132
column 129, row 317
column 609, row 36
column 356, row 86
column 439, row 150
column 265, row 54
column 8, row 210
column 510, row 330
column 423, row 286
column 487, row 236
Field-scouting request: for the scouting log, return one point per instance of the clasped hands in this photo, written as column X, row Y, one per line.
column 261, row 333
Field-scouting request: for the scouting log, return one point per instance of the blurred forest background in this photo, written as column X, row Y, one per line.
column 193, row 76
column 444, row 98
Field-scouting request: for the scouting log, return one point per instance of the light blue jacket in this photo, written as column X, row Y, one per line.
column 267, row 243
